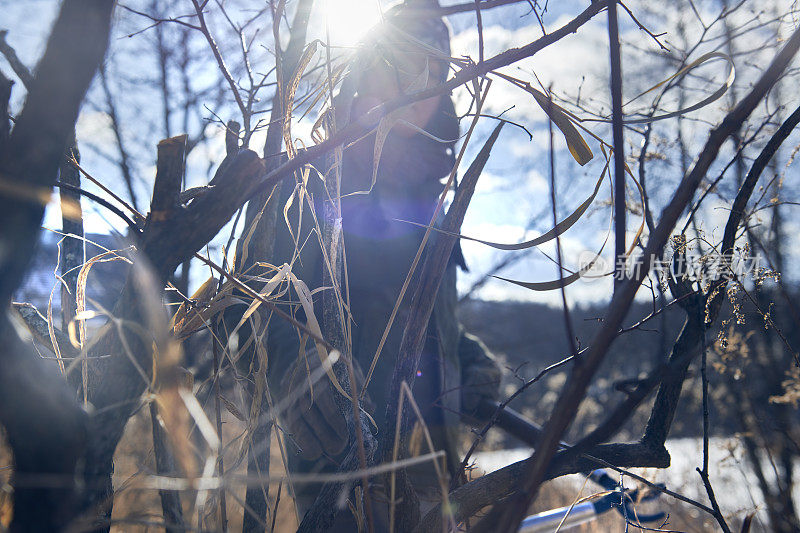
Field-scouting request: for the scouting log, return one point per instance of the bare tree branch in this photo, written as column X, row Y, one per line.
column 36, row 408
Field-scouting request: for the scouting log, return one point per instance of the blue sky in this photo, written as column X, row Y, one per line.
column 512, row 199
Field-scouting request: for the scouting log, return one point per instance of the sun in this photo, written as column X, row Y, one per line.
column 349, row 20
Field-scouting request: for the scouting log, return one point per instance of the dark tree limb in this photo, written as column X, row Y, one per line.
column 619, row 144
column 44, row 425
column 170, row 169
column 73, row 246
column 46, row 431
column 19, row 68
column 38, row 328
column 5, row 97
column 362, row 444
column 420, row 309
column 165, row 466
column 72, row 249
column 132, row 226
column 31, row 157
column 747, row 188
column 470, row 498
column 259, row 212
column 322, row 513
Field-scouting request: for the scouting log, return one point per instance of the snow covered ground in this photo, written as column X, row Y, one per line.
column 734, row 483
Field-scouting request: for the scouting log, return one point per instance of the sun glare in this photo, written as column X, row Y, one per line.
column 349, row 20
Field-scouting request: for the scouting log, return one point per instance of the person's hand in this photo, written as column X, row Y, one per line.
column 480, row 375
column 479, row 384
column 312, row 417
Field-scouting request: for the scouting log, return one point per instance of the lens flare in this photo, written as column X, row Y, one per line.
column 349, row 20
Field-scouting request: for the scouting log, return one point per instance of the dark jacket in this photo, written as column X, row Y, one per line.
column 379, row 250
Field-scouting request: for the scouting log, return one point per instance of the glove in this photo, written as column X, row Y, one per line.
column 312, row 417
column 480, row 374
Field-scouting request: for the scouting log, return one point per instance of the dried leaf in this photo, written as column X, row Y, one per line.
column 232, row 409
column 577, row 146
column 203, row 294
column 265, row 293
column 555, row 284
column 313, row 325
column 559, row 229
column 388, row 122
column 80, row 317
column 716, row 95
column 748, row 522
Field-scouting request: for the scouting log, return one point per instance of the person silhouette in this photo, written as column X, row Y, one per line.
column 456, row 370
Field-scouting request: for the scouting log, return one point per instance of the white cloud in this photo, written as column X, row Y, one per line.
column 95, row 127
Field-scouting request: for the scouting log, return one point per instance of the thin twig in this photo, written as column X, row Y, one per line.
column 619, row 146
